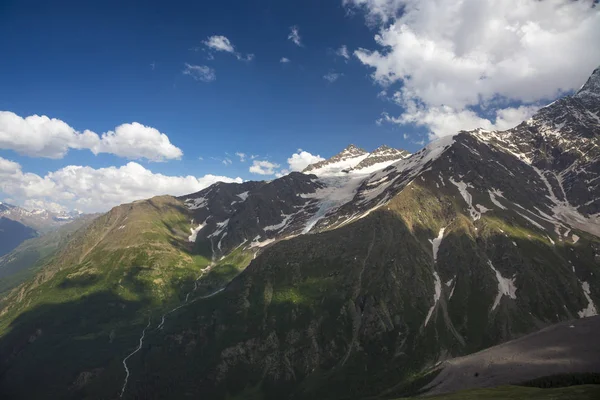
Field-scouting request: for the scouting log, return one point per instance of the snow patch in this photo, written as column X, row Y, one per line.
column 194, row 204
column 281, row 225
column 590, row 310
column 220, row 228
column 506, row 287
column 435, row 243
column 494, row 193
column 192, row 237
column 462, row 188
column 220, row 240
column 337, row 191
column 243, row 196
column 436, row 297
column 256, row 242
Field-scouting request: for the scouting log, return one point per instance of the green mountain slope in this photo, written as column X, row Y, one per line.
column 86, row 306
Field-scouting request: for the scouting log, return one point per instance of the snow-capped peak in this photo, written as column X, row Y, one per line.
column 343, row 161
column 592, row 86
column 357, row 161
column 380, row 158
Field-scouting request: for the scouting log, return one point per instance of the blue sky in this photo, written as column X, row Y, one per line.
column 91, row 67
column 97, row 65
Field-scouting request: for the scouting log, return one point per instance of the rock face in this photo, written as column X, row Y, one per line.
column 335, row 283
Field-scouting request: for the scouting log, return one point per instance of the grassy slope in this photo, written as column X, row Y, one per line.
column 85, row 309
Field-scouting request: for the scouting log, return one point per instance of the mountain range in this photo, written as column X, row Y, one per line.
column 18, row 224
column 357, row 277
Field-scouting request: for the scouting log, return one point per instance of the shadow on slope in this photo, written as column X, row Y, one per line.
column 70, row 350
column 570, row 347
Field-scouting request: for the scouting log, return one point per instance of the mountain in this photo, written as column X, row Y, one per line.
column 345, row 159
column 18, row 224
column 356, row 159
column 40, row 220
column 333, row 283
column 380, row 158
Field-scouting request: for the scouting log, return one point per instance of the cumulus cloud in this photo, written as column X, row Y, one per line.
column 222, row 43
column 445, row 120
column 294, row 36
column 263, row 167
column 219, row 43
column 93, row 190
column 302, row 159
column 202, row 73
column 298, row 161
column 343, row 52
column 332, row 76
column 284, row 60
column 41, row 136
column 449, row 57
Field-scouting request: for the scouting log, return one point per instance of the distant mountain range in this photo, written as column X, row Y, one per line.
column 18, row 224
column 40, row 220
column 353, row 279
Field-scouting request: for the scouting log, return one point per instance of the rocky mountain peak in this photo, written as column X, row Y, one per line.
column 352, row 150
column 346, row 159
column 381, row 157
column 592, row 86
column 356, row 159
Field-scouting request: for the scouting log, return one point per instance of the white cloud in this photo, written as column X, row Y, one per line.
column 343, row 52
column 302, row 159
column 202, row 73
column 332, row 76
column 41, row 136
column 284, row 60
column 92, row 190
column 219, row 43
column 227, row 161
column 444, row 120
column 222, row 43
column 241, row 155
column 282, row 172
column 451, row 56
column 263, row 167
column 36, row 204
column 294, row 36
column 377, row 10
